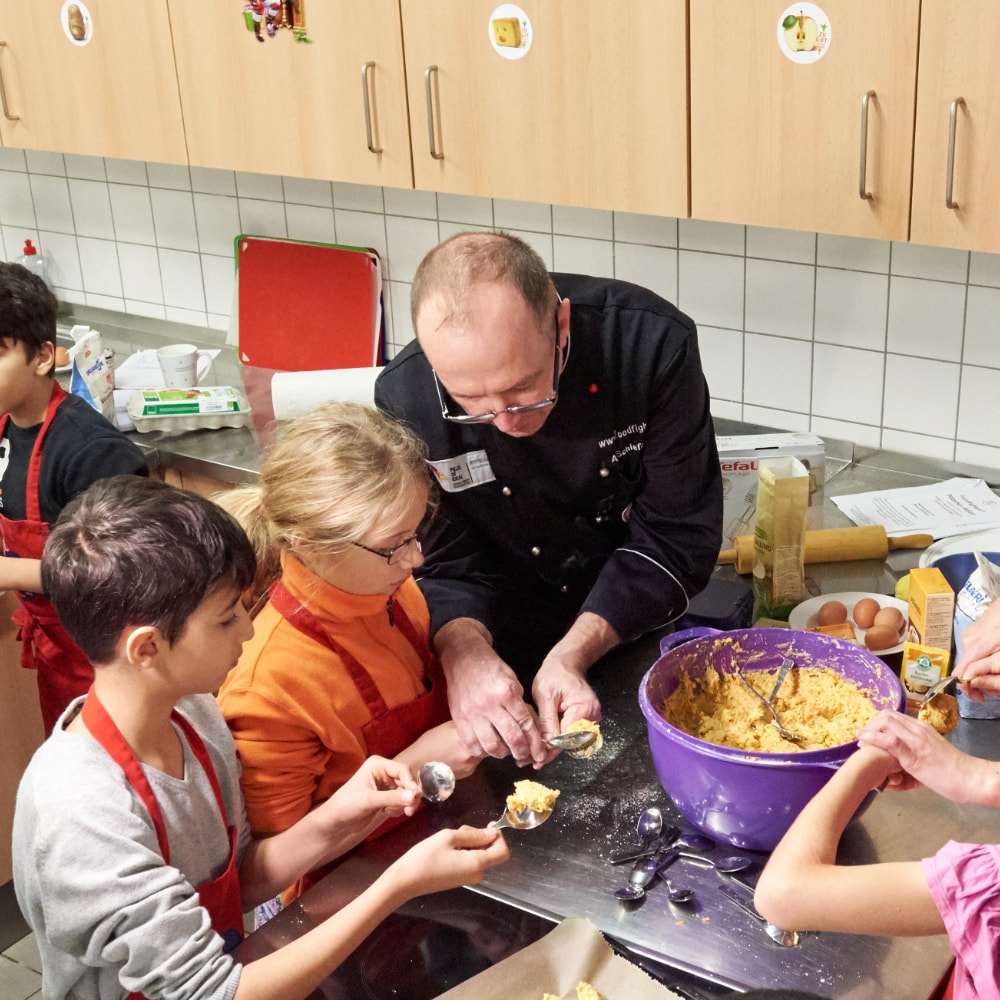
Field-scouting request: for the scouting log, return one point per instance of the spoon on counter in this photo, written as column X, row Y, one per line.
column 437, row 781
column 787, row 939
column 727, row 866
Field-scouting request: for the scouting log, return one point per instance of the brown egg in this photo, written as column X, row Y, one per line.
column 62, row 357
column 865, row 611
column 831, row 613
column 890, row 618
column 881, row 637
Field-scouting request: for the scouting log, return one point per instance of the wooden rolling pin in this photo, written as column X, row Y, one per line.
column 832, row 545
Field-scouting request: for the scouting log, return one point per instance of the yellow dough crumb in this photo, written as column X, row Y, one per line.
column 532, row 795
column 584, row 991
column 941, row 712
column 591, row 727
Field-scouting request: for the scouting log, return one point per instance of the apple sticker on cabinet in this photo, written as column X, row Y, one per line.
column 804, row 33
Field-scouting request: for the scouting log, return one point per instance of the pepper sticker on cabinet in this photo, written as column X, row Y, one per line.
column 510, row 31
column 266, row 17
column 804, row 33
column 77, row 22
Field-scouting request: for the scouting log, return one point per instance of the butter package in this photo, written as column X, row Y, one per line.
column 739, row 458
column 930, row 609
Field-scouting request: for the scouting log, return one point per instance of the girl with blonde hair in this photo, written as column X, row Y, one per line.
column 340, row 666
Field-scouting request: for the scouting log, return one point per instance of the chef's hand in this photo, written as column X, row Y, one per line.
column 978, row 670
column 924, row 756
column 485, row 697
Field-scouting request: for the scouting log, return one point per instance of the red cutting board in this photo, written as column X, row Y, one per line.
column 307, row 306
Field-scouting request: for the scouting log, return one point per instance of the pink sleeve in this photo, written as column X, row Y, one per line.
column 964, row 880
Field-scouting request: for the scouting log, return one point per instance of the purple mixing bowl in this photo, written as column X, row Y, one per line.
column 749, row 799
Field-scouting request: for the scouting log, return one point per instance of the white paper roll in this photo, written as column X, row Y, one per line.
column 295, row 393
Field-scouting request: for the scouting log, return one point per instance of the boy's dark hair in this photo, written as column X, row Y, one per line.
column 131, row 551
column 27, row 309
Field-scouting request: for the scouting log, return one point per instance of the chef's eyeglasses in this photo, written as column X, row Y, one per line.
column 395, row 554
column 490, row 415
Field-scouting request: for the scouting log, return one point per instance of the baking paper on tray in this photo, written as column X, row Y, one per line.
column 575, row 950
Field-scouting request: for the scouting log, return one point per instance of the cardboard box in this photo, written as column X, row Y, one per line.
column 739, row 456
column 931, row 610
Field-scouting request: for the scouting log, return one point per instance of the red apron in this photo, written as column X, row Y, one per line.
column 63, row 672
column 221, row 896
column 389, row 730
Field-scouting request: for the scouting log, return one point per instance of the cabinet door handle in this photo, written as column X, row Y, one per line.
column 3, row 94
column 429, row 94
column 367, row 88
column 949, row 186
column 863, row 171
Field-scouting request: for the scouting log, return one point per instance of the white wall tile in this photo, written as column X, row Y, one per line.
column 140, row 269
column 100, row 267
column 306, row 222
column 12, row 159
column 575, row 255
column 710, row 288
column 358, row 197
column 921, row 396
column 984, row 269
column 63, row 255
column 151, row 310
column 982, row 327
column 169, row 175
column 925, row 445
column 977, row 413
column 219, row 277
column 42, row 162
column 416, row 204
column 714, row 237
column 591, row 223
column 126, row 172
column 779, row 298
column 776, row 373
column 91, row 208
column 652, row 230
column 364, row 229
column 847, row 384
column 217, row 222
column 306, row 191
column 407, row 241
column 190, row 317
column 16, row 206
column 988, row 459
column 132, row 212
column 173, row 216
column 96, row 301
column 528, row 215
column 209, row 181
column 448, row 229
column 845, row 430
column 654, row 268
column 926, row 318
column 402, row 328
column 781, row 244
column 84, row 167
column 259, row 217
column 53, row 210
column 938, row 263
column 851, row 308
column 853, row 252
column 780, row 419
column 261, row 187
column 465, row 209
column 722, row 362
column 727, row 409
column 182, row 280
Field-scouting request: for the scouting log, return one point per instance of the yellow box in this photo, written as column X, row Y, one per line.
column 931, row 608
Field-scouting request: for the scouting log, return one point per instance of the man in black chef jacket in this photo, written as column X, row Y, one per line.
column 568, row 427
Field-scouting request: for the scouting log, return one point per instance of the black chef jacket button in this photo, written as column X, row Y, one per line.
column 535, row 550
column 506, row 491
column 564, row 589
column 604, row 473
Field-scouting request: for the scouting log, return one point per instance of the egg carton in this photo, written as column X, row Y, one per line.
column 188, row 409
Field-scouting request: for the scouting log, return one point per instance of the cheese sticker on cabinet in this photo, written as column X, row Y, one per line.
column 804, row 33
column 510, row 31
column 77, row 23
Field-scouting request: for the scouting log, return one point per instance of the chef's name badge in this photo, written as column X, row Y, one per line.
column 463, row 471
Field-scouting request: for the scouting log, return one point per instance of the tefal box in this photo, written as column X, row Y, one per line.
column 739, row 456
column 931, row 609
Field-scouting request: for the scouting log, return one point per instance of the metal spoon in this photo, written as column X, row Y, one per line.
column 683, row 895
column 694, row 841
column 787, row 939
column 735, row 863
column 437, row 781
column 937, row 687
column 786, row 665
column 650, row 824
column 523, row 819
column 643, row 872
column 578, row 739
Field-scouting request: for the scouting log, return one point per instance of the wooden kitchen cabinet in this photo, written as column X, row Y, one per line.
column 956, row 68
column 593, row 113
column 278, row 105
column 778, row 143
column 114, row 94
